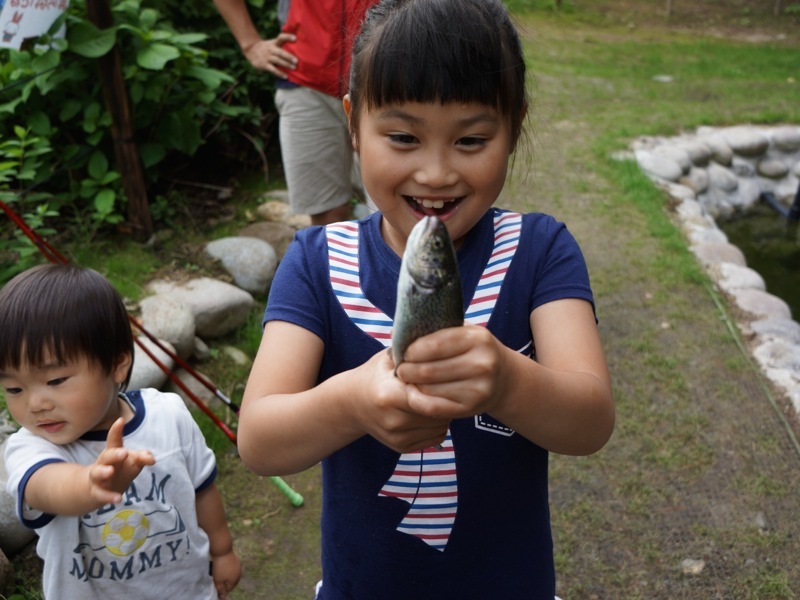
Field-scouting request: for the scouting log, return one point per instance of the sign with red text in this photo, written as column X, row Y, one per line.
column 21, row 19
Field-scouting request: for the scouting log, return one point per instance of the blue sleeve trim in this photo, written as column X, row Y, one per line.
column 209, row 480
column 45, row 518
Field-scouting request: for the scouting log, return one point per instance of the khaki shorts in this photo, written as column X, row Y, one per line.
column 318, row 158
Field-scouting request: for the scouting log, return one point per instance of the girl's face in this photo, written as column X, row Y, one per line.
column 422, row 159
column 61, row 402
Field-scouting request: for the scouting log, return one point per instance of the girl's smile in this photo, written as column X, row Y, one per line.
column 428, row 158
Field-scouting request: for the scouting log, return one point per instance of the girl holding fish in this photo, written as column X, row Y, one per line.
column 434, row 455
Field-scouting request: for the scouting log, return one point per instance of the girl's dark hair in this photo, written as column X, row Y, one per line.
column 62, row 312
column 439, row 50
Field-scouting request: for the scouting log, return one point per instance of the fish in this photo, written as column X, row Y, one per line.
column 428, row 289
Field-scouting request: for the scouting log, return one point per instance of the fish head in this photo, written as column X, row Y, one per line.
column 430, row 257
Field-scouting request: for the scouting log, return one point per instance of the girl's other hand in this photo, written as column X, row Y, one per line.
column 454, row 373
column 383, row 410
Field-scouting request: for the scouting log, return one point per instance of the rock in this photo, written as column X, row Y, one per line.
column 692, row 566
column 6, row 577
column 704, row 234
column 777, row 328
column 659, row 166
column 690, row 208
column 786, row 188
column 746, row 141
column 697, row 180
column 14, row 536
column 716, row 204
column 680, row 192
column 748, row 193
column 786, row 138
column 715, row 253
column 170, row 319
column 772, row 168
column 738, row 276
column 201, row 350
column 298, row 221
column 281, row 196
column 250, row 261
column 219, row 307
column 722, row 178
column 699, row 152
column 676, row 153
column 721, row 152
column 236, row 355
column 200, row 391
column 779, row 354
column 273, row 210
column 761, row 303
column 146, row 373
column 276, row 234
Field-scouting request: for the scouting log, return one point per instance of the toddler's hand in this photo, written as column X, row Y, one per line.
column 226, row 570
column 116, row 467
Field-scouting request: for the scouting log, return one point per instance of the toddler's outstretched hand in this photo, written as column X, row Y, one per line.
column 116, row 467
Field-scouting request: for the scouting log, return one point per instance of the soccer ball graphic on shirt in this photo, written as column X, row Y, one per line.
column 125, row 532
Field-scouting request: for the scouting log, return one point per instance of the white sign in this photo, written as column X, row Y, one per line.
column 20, row 19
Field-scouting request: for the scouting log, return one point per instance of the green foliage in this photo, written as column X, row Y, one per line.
column 57, row 132
column 21, row 159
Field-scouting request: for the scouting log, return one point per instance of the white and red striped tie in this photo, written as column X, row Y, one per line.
column 427, row 480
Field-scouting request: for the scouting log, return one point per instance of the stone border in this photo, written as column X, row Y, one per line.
column 717, row 172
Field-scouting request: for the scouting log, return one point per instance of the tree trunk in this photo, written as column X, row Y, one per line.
column 777, row 8
column 115, row 97
column 669, row 8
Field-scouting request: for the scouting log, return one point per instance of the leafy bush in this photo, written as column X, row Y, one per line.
column 187, row 84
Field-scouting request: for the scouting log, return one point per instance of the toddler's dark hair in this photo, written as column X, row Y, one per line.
column 439, row 50
column 62, row 312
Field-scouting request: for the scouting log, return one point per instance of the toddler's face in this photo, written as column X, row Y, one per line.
column 62, row 401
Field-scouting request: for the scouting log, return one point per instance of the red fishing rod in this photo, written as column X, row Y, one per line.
column 54, row 256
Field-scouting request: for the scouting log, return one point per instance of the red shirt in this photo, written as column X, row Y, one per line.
column 325, row 31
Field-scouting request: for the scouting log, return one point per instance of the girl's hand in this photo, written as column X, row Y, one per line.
column 454, row 373
column 116, row 467
column 383, row 410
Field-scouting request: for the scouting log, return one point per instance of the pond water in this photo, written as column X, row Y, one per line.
column 771, row 245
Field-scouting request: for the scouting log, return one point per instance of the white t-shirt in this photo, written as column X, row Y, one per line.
column 147, row 546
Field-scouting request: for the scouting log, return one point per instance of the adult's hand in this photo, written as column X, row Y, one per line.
column 269, row 55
